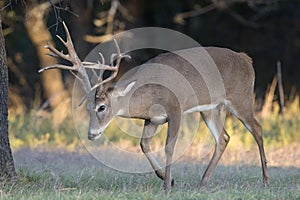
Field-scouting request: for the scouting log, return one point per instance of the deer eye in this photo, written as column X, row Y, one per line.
column 101, row 108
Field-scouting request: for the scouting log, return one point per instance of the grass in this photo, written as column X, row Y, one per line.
column 53, row 164
column 99, row 182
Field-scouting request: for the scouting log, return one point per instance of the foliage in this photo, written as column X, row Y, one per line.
column 30, row 130
column 277, row 129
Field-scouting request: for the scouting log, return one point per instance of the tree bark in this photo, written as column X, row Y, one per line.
column 7, row 169
column 52, row 82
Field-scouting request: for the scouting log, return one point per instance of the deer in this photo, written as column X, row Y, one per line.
column 157, row 105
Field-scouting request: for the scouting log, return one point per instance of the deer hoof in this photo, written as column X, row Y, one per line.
column 266, row 182
column 203, row 184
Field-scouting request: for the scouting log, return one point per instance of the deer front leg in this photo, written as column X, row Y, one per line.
column 173, row 128
column 148, row 132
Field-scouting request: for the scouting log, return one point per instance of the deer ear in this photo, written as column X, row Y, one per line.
column 122, row 90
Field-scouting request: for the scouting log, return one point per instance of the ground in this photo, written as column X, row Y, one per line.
column 51, row 174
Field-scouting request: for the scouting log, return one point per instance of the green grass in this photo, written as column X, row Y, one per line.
column 45, row 173
column 229, row 182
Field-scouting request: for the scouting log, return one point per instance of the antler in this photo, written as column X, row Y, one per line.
column 114, row 69
column 73, row 58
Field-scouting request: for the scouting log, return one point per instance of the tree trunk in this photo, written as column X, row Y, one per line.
column 52, row 81
column 7, row 169
column 37, row 30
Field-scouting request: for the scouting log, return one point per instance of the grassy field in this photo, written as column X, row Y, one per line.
column 52, row 163
column 64, row 175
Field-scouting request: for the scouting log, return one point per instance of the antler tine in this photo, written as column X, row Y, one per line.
column 69, row 39
column 57, row 66
column 112, row 58
column 55, row 52
column 102, row 58
column 101, row 64
column 117, row 47
column 114, row 69
column 71, row 56
column 118, row 54
column 105, row 81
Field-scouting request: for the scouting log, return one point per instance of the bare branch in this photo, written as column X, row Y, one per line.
column 125, row 13
column 5, row 6
column 180, row 18
column 111, row 15
column 108, row 19
column 224, row 5
column 97, row 39
column 57, row 10
column 241, row 19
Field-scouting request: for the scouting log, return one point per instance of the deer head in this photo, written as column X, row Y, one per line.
column 100, row 95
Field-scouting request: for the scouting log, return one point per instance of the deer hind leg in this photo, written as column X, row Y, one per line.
column 215, row 124
column 148, row 132
column 246, row 115
column 173, row 129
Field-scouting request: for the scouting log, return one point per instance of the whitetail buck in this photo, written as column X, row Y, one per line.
column 106, row 100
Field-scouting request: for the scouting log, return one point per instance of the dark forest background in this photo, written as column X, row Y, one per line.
column 267, row 30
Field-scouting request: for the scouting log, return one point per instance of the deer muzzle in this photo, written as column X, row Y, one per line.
column 94, row 134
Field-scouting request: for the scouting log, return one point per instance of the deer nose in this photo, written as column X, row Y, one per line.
column 94, row 134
